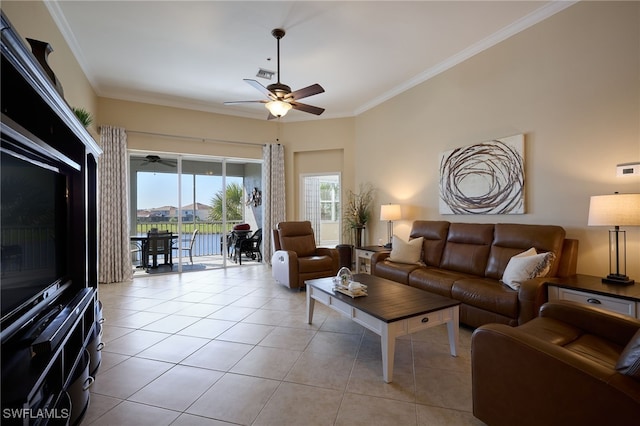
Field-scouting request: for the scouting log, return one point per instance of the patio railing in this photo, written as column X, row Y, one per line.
column 208, row 240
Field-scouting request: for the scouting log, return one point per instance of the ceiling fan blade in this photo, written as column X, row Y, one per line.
column 245, row 102
column 307, row 108
column 314, row 89
column 261, row 88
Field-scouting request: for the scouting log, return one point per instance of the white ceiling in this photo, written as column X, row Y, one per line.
column 194, row 54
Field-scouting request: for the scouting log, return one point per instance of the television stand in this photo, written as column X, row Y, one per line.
column 49, row 265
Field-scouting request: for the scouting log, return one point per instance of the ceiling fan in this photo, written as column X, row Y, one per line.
column 154, row 159
column 280, row 97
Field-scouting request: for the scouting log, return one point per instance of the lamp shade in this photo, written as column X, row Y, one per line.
column 278, row 108
column 614, row 210
column 390, row 212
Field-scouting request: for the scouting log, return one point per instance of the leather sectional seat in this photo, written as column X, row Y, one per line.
column 466, row 261
column 573, row 365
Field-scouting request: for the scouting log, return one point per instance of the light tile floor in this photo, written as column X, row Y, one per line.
column 233, row 347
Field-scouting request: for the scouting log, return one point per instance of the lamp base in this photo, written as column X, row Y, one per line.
column 617, row 279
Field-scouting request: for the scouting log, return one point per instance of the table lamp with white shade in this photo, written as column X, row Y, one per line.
column 390, row 212
column 616, row 210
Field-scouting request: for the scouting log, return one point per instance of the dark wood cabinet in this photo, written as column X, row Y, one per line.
column 45, row 361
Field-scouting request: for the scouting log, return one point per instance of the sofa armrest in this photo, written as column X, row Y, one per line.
column 379, row 256
column 333, row 253
column 325, row 251
column 615, row 327
column 519, row 379
column 568, row 258
column 531, row 296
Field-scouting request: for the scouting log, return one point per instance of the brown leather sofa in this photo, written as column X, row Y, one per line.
column 573, row 365
column 466, row 261
column 296, row 257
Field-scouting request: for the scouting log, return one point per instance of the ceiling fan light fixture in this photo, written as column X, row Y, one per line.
column 280, row 97
column 278, row 108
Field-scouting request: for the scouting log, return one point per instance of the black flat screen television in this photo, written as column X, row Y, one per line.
column 34, row 224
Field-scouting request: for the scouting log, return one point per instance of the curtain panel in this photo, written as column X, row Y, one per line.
column 312, row 204
column 114, row 260
column 273, row 194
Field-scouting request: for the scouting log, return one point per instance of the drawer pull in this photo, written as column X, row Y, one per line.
column 425, row 319
column 594, row 301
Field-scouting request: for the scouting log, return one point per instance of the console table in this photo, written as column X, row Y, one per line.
column 591, row 290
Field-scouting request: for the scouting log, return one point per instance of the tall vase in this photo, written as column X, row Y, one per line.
column 358, row 229
column 41, row 50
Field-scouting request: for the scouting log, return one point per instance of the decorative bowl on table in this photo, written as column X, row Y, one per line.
column 343, row 277
column 343, row 282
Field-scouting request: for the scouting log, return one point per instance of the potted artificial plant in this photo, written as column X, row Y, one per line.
column 358, row 210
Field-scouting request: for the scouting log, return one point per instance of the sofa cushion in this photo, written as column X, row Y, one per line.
column 629, row 361
column 511, row 239
column 525, row 266
column 434, row 234
column 314, row 264
column 435, row 280
column 398, row 272
column 405, row 251
column 297, row 237
column 467, row 248
column 599, row 350
column 551, row 330
column 487, row 294
column 303, row 245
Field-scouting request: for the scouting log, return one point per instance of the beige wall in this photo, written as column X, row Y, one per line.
column 324, row 146
column 570, row 84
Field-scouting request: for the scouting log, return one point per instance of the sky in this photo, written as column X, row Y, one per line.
column 161, row 189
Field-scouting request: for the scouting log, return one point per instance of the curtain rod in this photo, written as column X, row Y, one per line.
column 164, row 135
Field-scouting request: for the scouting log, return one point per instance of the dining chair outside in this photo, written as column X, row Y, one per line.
column 159, row 244
column 189, row 246
column 135, row 248
column 251, row 247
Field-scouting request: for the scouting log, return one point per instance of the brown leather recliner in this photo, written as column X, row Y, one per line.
column 573, row 365
column 296, row 257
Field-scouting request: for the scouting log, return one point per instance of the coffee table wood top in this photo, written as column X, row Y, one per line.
column 387, row 300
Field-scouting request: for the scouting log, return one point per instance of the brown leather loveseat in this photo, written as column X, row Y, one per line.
column 573, row 365
column 466, row 261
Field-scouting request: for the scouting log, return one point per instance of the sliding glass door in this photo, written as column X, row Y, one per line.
column 201, row 232
column 197, row 199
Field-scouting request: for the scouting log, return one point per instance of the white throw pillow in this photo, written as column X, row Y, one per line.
column 406, row 251
column 525, row 266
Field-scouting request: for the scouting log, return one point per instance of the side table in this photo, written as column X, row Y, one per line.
column 591, row 290
column 363, row 258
